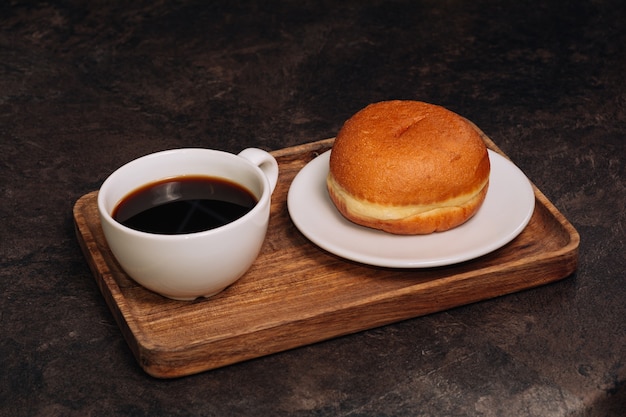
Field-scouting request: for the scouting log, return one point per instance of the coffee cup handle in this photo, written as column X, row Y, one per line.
column 265, row 161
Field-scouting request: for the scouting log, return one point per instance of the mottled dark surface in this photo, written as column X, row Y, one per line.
column 87, row 86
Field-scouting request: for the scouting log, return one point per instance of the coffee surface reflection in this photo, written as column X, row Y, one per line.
column 186, row 204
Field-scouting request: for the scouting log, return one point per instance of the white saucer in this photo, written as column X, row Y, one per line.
column 505, row 212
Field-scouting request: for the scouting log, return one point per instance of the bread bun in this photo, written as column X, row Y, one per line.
column 408, row 167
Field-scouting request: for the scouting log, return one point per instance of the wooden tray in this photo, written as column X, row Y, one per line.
column 297, row 294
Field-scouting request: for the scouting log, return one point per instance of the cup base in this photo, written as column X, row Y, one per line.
column 171, row 297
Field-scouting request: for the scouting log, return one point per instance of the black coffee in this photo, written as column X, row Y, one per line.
column 185, row 204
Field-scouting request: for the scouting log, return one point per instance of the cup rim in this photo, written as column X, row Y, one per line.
column 106, row 216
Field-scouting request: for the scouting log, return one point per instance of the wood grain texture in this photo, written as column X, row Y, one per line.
column 297, row 294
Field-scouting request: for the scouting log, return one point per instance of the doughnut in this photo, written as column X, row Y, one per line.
column 408, row 167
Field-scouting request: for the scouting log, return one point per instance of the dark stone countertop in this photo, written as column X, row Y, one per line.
column 87, row 86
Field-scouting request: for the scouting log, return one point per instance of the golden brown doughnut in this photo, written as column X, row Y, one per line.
column 408, row 167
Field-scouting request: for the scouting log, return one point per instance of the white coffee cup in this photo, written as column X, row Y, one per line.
column 201, row 264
